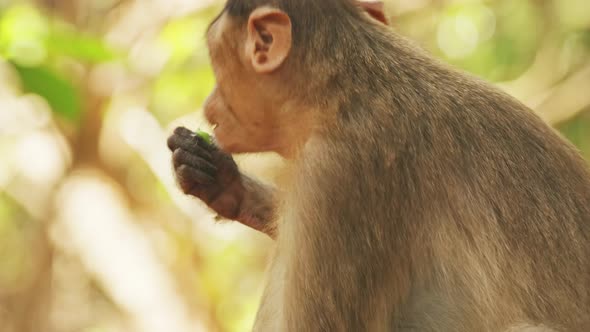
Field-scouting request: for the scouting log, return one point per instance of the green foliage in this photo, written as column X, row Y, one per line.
column 572, row 14
column 27, row 38
column 496, row 41
column 235, row 294
column 187, row 79
column 23, row 35
column 576, row 131
column 61, row 95
column 81, row 47
column 32, row 44
column 178, row 92
column 185, row 39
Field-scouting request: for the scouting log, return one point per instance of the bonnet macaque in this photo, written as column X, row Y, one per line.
column 420, row 198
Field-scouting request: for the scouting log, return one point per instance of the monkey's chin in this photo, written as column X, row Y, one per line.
column 226, row 142
column 228, row 148
column 234, row 147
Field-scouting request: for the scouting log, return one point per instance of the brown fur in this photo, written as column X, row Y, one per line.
column 422, row 198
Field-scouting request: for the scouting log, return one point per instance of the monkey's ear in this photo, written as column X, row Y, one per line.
column 269, row 39
column 375, row 9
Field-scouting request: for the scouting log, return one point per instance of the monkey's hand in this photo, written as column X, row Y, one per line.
column 206, row 172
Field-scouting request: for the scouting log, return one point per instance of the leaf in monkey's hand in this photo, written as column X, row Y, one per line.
column 206, row 136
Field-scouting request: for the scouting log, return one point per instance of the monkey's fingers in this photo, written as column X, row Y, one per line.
column 183, row 131
column 203, row 141
column 190, row 179
column 191, row 143
column 182, row 157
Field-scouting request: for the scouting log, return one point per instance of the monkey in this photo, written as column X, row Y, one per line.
column 232, row 187
column 419, row 197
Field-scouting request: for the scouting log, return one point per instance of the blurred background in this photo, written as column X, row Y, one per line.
column 94, row 234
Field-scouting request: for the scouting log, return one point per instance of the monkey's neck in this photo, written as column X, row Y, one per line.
column 295, row 127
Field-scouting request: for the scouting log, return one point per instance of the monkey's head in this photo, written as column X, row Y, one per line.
column 247, row 58
column 260, row 61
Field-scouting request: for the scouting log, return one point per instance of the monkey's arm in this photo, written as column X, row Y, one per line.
column 204, row 171
column 258, row 206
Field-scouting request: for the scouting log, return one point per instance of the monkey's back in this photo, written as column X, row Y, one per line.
column 438, row 197
column 505, row 215
column 514, row 217
column 494, row 203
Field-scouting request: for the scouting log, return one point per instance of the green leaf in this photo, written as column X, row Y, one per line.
column 81, row 47
column 205, row 136
column 61, row 95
